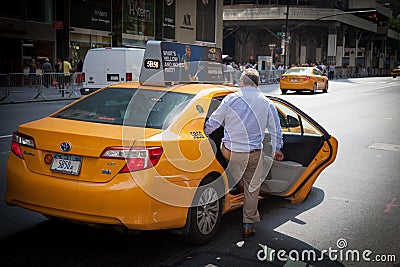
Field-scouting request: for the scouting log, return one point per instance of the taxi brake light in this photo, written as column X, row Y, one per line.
column 306, row 78
column 137, row 158
column 16, row 149
column 128, row 77
column 19, row 139
column 283, row 77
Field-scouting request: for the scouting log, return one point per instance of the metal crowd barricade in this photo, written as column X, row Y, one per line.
column 31, row 86
column 232, row 76
column 22, row 83
column 270, row 76
column 266, row 76
column 4, row 92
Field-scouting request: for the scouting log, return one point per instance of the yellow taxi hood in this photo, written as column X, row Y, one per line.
column 86, row 138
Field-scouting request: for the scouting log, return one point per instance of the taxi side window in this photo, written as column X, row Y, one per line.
column 215, row 102
column 317, row 72
column 293, row 123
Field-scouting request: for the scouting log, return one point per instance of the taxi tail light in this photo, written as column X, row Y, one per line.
column 18, row 140
column 283, row 77
column 137, row 158
column 83, row 77
column 306, row 78
column 128, row 77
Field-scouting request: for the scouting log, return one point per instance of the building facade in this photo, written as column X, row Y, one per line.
column 26, row 33
column 348, row 33
column 39, row 29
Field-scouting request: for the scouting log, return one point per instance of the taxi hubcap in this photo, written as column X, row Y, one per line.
column 207, row 211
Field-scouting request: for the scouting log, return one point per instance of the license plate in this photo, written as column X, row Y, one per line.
column 66, row 164
column 112, row 77
column 293, row 80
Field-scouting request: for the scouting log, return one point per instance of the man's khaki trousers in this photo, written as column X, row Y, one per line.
column 252, row 167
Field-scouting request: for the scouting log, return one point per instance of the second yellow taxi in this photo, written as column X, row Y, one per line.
column 303, row 79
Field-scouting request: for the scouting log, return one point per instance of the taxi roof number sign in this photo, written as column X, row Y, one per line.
column 167, row 63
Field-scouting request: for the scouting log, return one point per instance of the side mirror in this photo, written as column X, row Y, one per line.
column 292, row 122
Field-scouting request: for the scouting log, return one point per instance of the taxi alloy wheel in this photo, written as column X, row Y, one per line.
column 326, row 87
column 207, row 211
column 314, row 91
column 205, row 215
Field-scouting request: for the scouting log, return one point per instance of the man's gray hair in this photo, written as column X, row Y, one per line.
column 250, row 77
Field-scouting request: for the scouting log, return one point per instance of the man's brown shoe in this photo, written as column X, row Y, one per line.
column 248, row 231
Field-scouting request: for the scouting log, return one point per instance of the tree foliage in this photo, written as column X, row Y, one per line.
column 394, row 24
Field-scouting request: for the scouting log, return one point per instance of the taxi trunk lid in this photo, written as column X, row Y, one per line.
column 86, row 142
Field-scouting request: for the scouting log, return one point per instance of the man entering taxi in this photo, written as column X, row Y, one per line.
column 245, row 115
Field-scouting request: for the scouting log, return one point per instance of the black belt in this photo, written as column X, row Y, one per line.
column 255, row 150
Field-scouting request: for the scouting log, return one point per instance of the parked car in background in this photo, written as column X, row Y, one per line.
column 105, row 66
column 395, row 72
column 303, row 79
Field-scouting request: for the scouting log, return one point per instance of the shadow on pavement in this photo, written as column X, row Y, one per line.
column 57, row 243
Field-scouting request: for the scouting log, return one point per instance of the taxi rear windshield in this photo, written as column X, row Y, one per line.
column 129, row 107
column 299, row 71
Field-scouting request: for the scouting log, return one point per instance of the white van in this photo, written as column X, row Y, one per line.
column 105, row 66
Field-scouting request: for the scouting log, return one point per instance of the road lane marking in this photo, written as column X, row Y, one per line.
column 389, row 206
column 376, row 89
column 5, row 136
column 384, row 146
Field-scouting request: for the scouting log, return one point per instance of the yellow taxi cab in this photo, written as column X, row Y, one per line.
column 134, row 155
column 395, row 72
column 303, row 79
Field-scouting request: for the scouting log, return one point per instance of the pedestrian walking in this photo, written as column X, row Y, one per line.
column 331, row 71
column 57, row 81
column 32, row 73
column 67, row 68
column 47, row 69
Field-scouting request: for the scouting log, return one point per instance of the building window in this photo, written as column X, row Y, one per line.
column 30, row 10
column 205, row 20
column 35, row 10
column 91, row 15
column 138, row 17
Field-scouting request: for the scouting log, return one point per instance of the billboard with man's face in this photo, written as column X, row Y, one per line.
column 182, row 63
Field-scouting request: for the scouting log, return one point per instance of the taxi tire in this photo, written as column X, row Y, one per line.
column 326, row 87
column 284, row 91
column 200, row 233
column 314, row 90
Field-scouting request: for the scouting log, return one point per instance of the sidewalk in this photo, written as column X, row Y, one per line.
column 36, row 94
column 41, row 93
